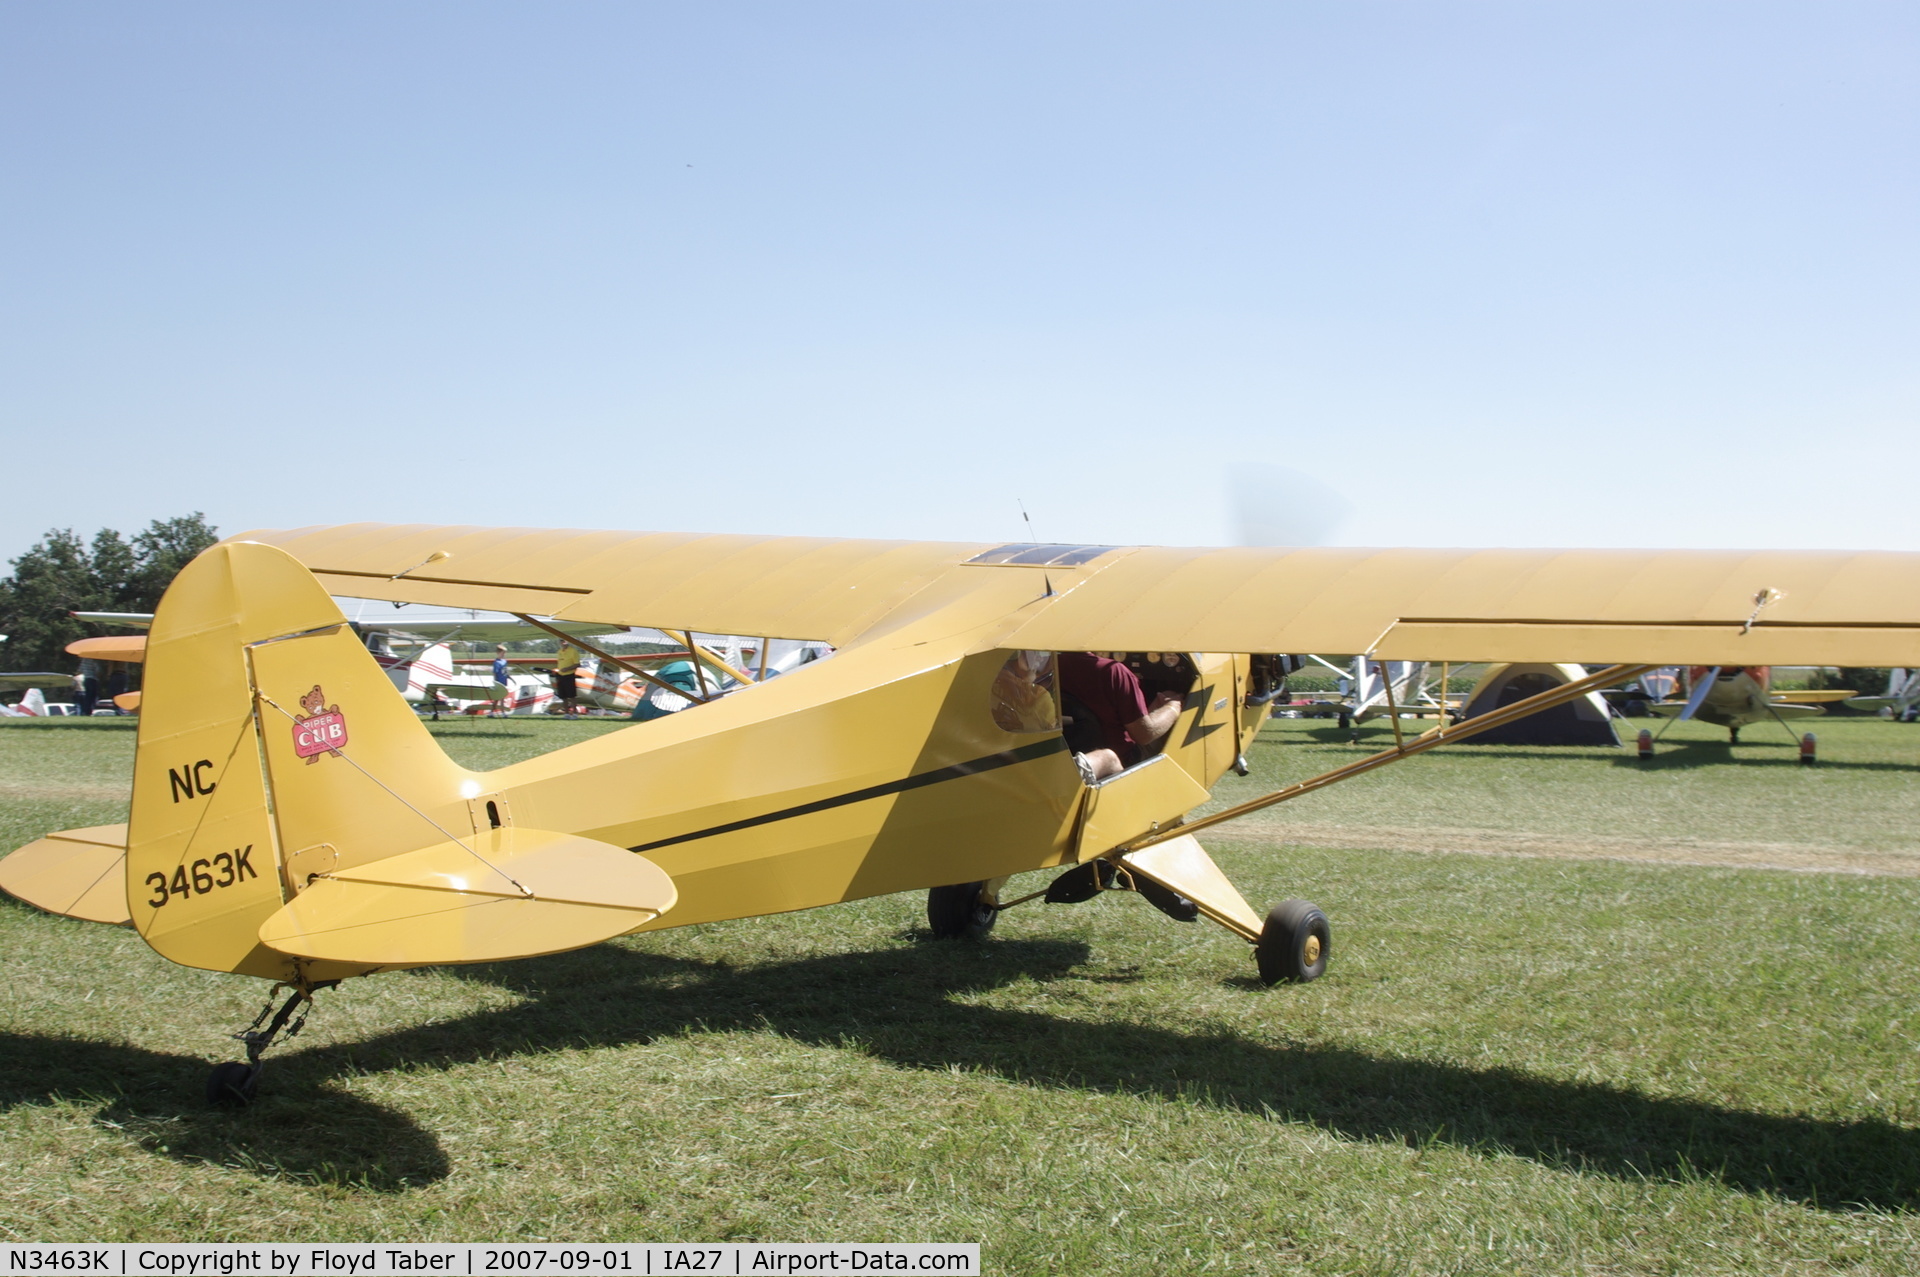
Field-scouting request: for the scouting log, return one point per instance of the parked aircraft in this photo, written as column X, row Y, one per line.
column 293, row 820
column 1732, row 696
column 32, row 705
column 1901, row 699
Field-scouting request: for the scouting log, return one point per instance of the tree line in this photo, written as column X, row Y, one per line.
column 62, row 574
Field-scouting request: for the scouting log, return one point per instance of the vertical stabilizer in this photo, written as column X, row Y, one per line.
column 242, row 784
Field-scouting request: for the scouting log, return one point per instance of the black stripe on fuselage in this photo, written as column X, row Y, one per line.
column 973, row 767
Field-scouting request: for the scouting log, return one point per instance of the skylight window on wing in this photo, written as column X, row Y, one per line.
column 1031, row 555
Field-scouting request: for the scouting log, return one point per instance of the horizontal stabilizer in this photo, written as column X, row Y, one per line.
column 78, row 873
column 505, row 893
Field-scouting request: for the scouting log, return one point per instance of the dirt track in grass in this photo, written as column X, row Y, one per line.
column 1500, row 842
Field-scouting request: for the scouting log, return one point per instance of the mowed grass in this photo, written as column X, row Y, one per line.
column 1515, row 1064
column 1861, row 797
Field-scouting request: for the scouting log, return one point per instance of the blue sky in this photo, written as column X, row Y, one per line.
column 1462, row 274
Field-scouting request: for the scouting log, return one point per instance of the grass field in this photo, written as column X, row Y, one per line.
column 1577, row 1058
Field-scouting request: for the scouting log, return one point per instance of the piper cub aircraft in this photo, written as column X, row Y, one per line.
column 294, row 821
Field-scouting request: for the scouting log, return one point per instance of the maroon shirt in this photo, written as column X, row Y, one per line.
column 1111, row 693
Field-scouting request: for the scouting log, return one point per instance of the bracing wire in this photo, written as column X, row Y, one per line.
column 451, row 836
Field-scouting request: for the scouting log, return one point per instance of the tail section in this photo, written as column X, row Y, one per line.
column 434, row 664
column 275, row 754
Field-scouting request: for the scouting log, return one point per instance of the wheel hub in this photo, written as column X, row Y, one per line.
column 1310, row 951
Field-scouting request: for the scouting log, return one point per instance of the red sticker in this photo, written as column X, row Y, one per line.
column 322, row 731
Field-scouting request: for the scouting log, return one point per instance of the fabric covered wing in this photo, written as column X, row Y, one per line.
column 1659, row 606
column 777, row 587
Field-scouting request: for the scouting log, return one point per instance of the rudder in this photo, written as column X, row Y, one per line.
column 254, row 682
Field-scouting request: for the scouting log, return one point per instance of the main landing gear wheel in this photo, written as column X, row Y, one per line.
column 960, row 912
column 232, row 1084
column 1294, row 944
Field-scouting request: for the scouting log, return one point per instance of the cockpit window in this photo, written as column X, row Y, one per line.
column 1023, row 698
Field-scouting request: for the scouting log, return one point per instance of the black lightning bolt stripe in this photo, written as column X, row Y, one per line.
column 973, row 767
column 1198, row 729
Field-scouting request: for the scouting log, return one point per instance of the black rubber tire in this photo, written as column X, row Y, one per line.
column 231, row 1084
column 1294, row 944
column 1346, row 720
column 958, row 912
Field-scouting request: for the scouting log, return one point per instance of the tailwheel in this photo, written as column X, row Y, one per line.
column 1294, row 944
column 961, row 912
column 232, row 1084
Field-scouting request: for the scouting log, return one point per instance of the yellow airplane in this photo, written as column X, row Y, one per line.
column 293, row 820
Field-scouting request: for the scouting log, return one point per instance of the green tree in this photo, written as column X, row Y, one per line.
column 51, row 579
column 61, row 574
column 113, row 566
column 160, row 552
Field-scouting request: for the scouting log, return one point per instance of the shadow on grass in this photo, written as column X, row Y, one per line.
column 1683, row 753
column 899, row 1006
column 1690, row 754
column 300, row 1129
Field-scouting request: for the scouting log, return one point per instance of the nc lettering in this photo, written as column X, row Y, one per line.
column 191, row 781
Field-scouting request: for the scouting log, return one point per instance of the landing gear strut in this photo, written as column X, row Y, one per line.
column 233, row 1084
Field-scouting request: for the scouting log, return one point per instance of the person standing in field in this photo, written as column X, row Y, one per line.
column 566, row 678
column 500, row 677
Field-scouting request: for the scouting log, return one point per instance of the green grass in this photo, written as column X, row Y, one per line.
column 1858, row 807
column 1515, row 1064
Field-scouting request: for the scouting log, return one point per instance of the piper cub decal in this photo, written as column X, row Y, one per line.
column 321, row 730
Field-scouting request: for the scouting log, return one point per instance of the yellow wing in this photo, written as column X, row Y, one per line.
column 775, row 587
column 1704, row 607
column 1665, row 606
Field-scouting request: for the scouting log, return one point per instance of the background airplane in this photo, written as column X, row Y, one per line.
column 1901, row 699
column 32, row 705
column 1732, row 697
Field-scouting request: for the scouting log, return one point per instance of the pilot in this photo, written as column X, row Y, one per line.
column 1122, row 726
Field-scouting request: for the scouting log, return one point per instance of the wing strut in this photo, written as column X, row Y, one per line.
column 611, row 659
column 1445, row 734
